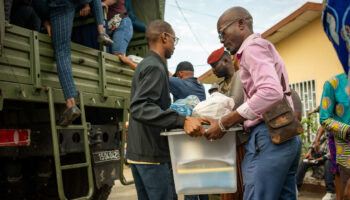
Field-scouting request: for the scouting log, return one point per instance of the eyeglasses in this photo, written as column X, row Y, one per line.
column 176, row 39
column 221, row 31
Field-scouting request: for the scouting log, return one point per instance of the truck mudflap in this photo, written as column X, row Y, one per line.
column 106, row 166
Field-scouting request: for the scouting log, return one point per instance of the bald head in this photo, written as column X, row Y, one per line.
column 155, row 28
column 237, row 13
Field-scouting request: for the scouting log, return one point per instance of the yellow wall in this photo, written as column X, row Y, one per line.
column 308, row 54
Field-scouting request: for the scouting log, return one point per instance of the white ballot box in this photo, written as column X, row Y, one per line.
column 201, row 166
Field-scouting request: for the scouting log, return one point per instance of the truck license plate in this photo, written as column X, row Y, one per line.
column 104, row 156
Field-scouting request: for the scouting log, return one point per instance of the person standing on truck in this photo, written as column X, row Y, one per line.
column 61, row 15
column 147, row 151
column 121, row 34
column 183, row 83
column 261, row 69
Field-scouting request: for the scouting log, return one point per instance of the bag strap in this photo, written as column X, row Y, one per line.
column 283, row 83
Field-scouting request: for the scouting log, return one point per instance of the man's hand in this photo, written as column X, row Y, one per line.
column 193, row 127
column 214, row 131
column 47, row 26
column 308, row 154
column 320, row 159
column 317, row 146
column 85, row 11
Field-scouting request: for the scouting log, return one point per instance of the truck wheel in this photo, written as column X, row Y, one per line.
column 102, row 193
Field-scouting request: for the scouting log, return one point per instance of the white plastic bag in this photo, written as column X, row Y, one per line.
column 216, row 106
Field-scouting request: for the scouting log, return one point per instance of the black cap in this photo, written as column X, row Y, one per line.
column 184, row 66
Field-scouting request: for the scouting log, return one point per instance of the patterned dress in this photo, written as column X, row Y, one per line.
column 335, row 117
column 336, row 24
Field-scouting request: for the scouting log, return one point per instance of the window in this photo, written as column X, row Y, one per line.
column 307, row 93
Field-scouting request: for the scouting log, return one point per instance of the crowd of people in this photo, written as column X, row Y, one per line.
column 254, row 75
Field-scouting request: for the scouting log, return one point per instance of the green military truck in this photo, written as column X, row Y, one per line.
column 41, row 160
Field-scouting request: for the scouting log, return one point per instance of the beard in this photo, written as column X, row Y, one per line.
column 168, row 54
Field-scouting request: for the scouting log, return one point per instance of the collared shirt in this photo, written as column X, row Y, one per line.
column 150, row 112
column 181, row 88
column 261, row 69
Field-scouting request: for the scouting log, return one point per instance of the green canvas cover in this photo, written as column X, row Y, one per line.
column 148, row 10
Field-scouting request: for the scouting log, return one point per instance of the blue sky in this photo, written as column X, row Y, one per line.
column 202, row 16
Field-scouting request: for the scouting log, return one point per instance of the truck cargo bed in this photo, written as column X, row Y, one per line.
column 28, row 66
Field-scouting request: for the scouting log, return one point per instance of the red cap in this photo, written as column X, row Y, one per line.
column 216, row 55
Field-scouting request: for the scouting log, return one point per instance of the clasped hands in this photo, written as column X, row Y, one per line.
column 193, row 127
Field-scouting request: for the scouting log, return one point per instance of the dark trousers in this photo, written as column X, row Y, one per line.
column 196, row 197
column 154, row 182
column 328, row 174
column 26, row 17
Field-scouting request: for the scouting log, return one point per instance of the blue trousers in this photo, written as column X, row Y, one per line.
column 269, row 169
column 122, row 36
column 61, row 19
column 154, row 182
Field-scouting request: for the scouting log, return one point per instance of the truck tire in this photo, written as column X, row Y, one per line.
column 102, row 193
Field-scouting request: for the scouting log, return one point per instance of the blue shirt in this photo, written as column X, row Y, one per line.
column 181, row 88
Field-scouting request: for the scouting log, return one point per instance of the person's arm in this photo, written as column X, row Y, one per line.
column 138, row 26
column 85, row 11
column 143, row 107
column 261, row 67
column 127, row 61
column 109, row 2
column 316, row 144
column 327, row 111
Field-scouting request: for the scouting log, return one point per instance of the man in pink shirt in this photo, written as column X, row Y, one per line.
column 268, row 169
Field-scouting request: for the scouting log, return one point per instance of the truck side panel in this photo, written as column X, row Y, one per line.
column 29, row 59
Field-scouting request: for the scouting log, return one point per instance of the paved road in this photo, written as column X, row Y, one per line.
column 121, row 192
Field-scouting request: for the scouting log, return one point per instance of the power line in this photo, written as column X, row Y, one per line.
column 209, row 15
column 195, row 11
column 189, row 26
column 194, row 65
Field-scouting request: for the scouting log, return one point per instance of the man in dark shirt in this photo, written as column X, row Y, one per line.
column 147, row 151
column 183, row 84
